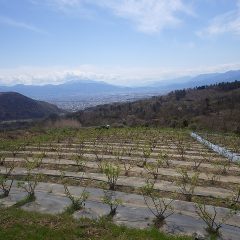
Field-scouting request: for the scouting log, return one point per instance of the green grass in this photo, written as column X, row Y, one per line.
column 16, row 224
column 24, row 201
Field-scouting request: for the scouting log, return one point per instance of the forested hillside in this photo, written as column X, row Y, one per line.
column 215, row 107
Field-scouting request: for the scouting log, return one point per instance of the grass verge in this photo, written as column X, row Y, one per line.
column 16, row 224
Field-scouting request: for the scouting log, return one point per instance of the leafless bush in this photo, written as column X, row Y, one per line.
column 235, row 199
column 59, row 154
column 112, row 201
column 128, row 165
column 14, row 149
column 181, row 145
column 2, row 159
column 79, row 157
column 112, row 172
column 210, row 218
column 146, row 153
column 80, row 162
column 153, row 168
column 31, row 179
column 222, row 167
column 158, row 206
column 213, row 177
column 187, row 183
column 164, row 158
column 5, row 181
column 77, row 202
column 198, row 162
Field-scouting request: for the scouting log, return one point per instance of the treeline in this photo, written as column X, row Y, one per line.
column 225, row 86
column 215, row 107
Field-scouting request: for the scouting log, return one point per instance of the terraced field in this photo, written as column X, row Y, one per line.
column 142, row 177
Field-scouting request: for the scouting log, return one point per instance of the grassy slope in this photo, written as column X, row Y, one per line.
column 17, row 224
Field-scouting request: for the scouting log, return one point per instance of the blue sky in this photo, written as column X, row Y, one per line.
column 119, row 41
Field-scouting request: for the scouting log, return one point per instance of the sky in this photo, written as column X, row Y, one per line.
column 123, row 42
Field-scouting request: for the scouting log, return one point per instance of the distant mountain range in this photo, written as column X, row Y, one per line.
column 200, row 80
column 15, row 106
column 88, row 88
column 69, row 89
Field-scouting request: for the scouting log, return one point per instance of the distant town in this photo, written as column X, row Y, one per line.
column 80, row 103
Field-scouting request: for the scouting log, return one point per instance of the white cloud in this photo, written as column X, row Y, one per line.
column 111, row 74
column 148, row 16
column 59, row 3
column 228, row 22
column 19, row 24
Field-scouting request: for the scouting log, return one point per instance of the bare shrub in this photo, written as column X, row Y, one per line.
column 2, row 159
column 14, row 149
column 112, row 201
column 164, row 158
column 128, row 165
column 129, row 150
column 99, row 156
column 77, row 203
column 198, row 162
column 213, row 177
column 158, row 206
column 80, row 162
column 146, row 153
column 112, row 172
column 79, row 157
column 31, row 180
column 210, row 218
column 181, row 145
column 118, row 155
column 5, row 181
column 153, row 168
column 222, row 167
column 187, row 183
column 235, row 199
